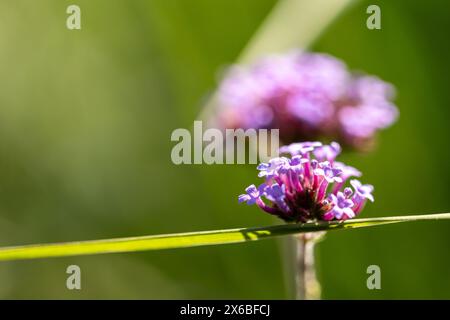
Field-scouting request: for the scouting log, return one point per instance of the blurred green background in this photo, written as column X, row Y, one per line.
column 85, row 124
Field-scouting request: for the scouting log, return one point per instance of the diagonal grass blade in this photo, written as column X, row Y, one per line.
column 193, row 239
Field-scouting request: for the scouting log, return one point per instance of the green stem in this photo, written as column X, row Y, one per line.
column 308, row 287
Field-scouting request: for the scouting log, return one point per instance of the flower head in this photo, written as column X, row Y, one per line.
column 306, row 96
column 308, row 186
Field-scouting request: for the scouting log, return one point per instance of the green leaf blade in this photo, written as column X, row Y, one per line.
column 193, row 239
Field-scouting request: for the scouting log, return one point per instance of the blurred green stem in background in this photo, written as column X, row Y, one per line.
column 307, row 18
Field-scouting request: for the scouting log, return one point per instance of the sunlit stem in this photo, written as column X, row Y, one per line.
column 308, row 287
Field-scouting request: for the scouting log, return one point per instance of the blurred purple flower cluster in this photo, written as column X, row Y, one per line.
column 307, row 96
column 309, row 186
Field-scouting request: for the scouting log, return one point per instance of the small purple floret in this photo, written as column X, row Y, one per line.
column 342, row 208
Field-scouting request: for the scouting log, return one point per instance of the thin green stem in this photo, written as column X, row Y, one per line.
column 291, row 24
column 308, row 287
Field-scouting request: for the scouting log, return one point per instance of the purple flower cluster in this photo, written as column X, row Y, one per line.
column 309, row 185
column 306, row 96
